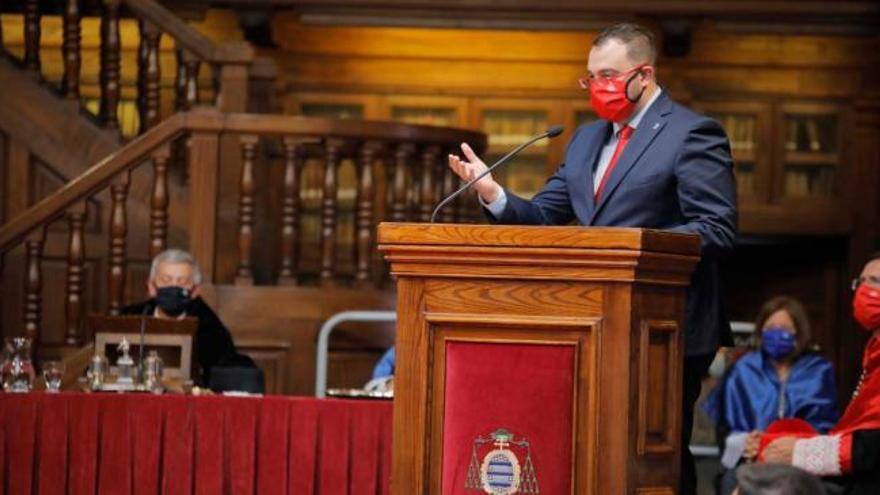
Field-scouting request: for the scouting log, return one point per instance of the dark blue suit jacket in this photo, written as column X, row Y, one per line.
column 675, row 173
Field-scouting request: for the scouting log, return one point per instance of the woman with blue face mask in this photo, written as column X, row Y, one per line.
column 782, row 378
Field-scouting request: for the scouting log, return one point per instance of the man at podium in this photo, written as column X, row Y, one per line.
column 647, row 162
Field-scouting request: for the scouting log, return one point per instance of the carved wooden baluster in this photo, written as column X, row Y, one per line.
column 364, row 213
column 76, row 255
column 294, row 161
column 70, row 50
column 187, row 80
column 186, row 92
column 33, row 288
column 159, row 202
column 402, row 156
column 244, row 275
column 148, row 76
column 450, row 184
column 329, row 210
column 118, row 235
column 426, row 189
column 32, row 35
column 109, row 75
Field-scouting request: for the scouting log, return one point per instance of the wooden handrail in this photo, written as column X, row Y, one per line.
column 209, row 120
column 90, row 182
column 189, row 38
column 205, row 119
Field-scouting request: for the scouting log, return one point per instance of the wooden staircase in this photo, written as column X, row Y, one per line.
column 279, row 210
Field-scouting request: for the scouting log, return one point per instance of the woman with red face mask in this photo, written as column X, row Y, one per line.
column 849, row 455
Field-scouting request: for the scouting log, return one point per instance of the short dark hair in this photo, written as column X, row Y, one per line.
column 639, row 41
column 794, row 308
column 781, row 479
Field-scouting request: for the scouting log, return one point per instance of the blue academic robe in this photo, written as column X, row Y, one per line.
column 749, row 396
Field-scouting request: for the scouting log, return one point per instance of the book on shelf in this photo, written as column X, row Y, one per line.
column 740, row 130
column 815, row 181
column 791, row 135
column 812, row 129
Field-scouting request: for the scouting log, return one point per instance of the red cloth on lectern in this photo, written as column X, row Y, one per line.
column 526, row 389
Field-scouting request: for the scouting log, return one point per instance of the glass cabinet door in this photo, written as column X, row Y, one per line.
column 747, row 125
column 811, row 152
column 438, row 116
column 741, row 131
column 508, row 128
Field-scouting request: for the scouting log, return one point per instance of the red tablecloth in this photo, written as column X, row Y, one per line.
column 143, row 444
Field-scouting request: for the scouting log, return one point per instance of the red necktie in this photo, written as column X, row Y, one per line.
column 622, row 138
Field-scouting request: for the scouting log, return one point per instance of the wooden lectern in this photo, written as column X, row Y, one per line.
column 537, row 359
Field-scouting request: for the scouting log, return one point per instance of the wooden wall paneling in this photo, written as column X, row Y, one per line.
column 203, row 211
column 19, row 178
column 865, row 205
column 295, row 102
column 4, row 175
column 137, row 272
column 271, row 355
column 13, row 293
column 457, row 104
column 294, row 315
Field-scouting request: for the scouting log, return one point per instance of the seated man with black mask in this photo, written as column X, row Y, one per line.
column 173, row 286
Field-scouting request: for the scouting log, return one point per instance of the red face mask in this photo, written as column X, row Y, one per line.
column 610, row 99
column 866, row 307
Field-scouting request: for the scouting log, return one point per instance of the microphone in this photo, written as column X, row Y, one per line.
column 549, row 133
column 141, row 369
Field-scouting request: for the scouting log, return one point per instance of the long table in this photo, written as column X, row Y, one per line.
column 144, row 444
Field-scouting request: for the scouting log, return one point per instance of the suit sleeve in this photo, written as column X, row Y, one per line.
column 706, row 187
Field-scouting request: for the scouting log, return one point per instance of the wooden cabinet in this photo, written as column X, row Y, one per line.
column 809, row 135
column 790, row 170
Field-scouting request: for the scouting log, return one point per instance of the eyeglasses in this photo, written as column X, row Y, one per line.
column 872, row 280
column 589, row 79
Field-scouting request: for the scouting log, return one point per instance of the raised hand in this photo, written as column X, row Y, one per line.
column 487, row 188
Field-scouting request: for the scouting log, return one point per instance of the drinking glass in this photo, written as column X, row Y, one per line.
column 53, row 372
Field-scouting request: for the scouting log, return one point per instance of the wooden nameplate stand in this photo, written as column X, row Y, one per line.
column 615, row 296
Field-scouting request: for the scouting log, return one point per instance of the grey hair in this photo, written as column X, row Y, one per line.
column 177, row 256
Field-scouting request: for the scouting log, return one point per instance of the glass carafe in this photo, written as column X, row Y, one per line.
column 18, row 369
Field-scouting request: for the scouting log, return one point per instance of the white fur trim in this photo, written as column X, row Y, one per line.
column 819, row 455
